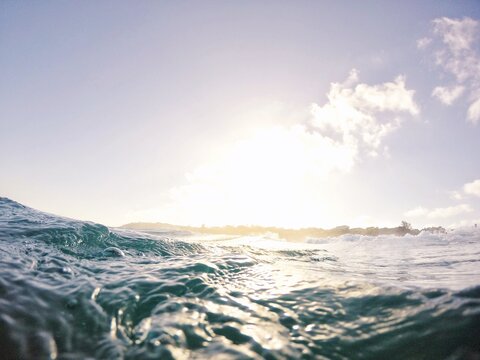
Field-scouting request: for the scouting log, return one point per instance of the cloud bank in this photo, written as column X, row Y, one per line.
column 439, row 213
column 454, row 43
column 468, row 190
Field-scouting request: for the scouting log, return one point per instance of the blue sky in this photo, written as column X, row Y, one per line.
column 290, row 113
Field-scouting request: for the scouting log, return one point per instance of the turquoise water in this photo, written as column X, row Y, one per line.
column 75, row 290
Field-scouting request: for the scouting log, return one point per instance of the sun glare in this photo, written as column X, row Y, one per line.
column 264, row 180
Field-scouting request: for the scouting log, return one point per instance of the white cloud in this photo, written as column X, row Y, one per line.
column 472, row 188
column 448, row 95
column 473, row 113
column 275, row 175
column 352, row 114
column 423, row 42
column 417, row 212
column 455, row 53
column 439, row 213
column 456, row 195
column 450, row 211
column 457, row 34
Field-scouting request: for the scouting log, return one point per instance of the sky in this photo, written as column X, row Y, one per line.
column 283, row 113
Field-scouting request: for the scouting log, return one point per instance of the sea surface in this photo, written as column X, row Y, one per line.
column 78, row 290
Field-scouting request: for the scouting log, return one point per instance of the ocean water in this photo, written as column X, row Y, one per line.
column 77, row 290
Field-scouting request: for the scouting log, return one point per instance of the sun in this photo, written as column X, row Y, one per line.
column 269, row 178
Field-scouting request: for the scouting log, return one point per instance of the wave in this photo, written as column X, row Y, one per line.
column 82, row 238
column 73, row 290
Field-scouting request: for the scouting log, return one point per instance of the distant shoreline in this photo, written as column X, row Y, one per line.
column 287, row 234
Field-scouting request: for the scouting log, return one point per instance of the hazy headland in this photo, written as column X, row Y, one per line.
column 285, row 233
